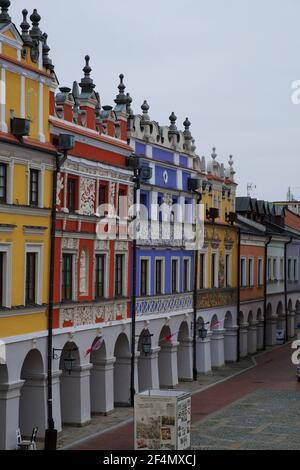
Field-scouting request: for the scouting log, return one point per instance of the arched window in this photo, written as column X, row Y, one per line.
column 84, row 272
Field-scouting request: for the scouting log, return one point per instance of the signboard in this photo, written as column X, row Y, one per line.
column 162, row 420
column 279, row 336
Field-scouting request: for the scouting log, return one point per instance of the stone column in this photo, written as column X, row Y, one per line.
column 217, row 348
column 185, row 360
column 230, row 344
column 75, row 396
column 203, row 354
column 33, row 405
column 9, row 414
column 102, row 386
column 252, row 337
column 122, row 370
column 167, row 360
column 243, row 338
column 56, row 405
column 148, row 371
column 271, row 330
column 260, row 335
column 291, row 324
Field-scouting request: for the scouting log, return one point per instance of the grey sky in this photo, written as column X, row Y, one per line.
column 226, row 64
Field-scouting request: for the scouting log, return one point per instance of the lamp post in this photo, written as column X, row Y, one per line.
column 141, row 172
column 65, row 143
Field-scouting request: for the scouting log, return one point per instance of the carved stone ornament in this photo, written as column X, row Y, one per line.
column 60, row 187
column 70, row 243
column 87, row 196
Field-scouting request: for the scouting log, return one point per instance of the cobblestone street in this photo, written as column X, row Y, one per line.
column 255, row 409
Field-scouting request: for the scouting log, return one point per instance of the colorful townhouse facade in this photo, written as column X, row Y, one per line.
column 26, row 172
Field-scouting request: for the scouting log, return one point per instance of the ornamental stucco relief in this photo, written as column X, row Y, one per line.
column 87, row 196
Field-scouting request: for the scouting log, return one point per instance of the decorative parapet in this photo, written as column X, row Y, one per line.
column 91, row 314
column 154, row 233
column 164, row 304
column 210, row 298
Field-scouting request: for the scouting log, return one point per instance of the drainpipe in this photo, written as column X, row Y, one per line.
column 133, row 296
column 285, row 288
column 265, row 290
column 196, row 261
column 238, row 294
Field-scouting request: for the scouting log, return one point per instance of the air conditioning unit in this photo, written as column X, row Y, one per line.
column 194, row 184
column 20, row 127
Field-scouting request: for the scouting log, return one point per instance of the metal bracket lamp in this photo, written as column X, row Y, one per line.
column 69, row 361
column 202, row 332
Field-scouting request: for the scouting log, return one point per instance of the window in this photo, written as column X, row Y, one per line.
column 174, row 276
column 119, row 275
column 71, row 194
column 143, row 206
column 100, row 275
column 3, row 182
column 202, row 270
column 102, row 195
column 260, row 272
column 144, row 277
column 213, row 270
column 158, row 277
column 1, row 279
column 282, row 269
column 30, row 294
column 243, row 272
column 34, row 188
column 227, row 270
column 67, row 277
column 295, row 269
column 186, row 275
column 250, row 272
column 269, row 269
column 122, row 203
column 275, row 269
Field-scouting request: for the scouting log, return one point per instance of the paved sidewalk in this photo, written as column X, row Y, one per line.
column 73, row 436
column 274, row 372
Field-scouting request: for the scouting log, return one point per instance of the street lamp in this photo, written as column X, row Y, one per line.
column 68, row 359
column 146, row 344
column 64, row 143
column 202, row 331
column 141, row 173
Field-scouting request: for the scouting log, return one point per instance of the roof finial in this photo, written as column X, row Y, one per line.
column 128, row 105
column 35, row 18
column 214, row 155
column 47, row 62
column 4, row 16
column 121, row 98
column 145, row 117
column 25, row 26
column 87, row 85
column 230, row 161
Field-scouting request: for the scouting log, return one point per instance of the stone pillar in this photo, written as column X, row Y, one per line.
column 260, row 335
column 291, row 324
column 148, row 371
column 122, row 371
column 185, row 360
column 243, row 337
column 271, row 330
column 33, row 405
column 56, row 405
column 102, row 386
column 203, row 354
column 230, row 344
column 252, row 337
column 9, row 414
column 75, row 396
column 217, row 348
column 167, row 361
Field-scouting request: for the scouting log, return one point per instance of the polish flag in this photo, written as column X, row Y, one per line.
column 95, row 346
column 168, row 338
column 215, row 324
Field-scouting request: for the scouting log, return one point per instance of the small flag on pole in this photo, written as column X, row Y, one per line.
column 215, row 324
column 95, row 346
column 168, row 338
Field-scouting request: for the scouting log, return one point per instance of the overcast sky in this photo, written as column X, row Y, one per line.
column 227, row 65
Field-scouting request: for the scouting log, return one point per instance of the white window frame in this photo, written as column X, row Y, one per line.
column 125, row 277
column 38, row 249
column 9, row 162
column 148, row 259
column 186, row 258
column 6, row 248
column 251, row 274
column 290, row 267
column 243, row 273
column 41, row 170
column 275, row 269
column 295, row 269
column 260, row 271
column 205, row 268
column 175, row 258
column 163, row 274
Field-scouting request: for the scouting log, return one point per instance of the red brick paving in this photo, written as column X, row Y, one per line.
column 274, row 370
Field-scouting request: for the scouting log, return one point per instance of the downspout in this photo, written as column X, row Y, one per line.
column 265, row 290
column 285, row 288
column 196, row 261
column 238, row 293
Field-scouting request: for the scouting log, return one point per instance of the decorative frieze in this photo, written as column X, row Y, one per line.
column 87, row 196
column 164, row 304
column 70, row 244
column 92, row 314
column 210, row 298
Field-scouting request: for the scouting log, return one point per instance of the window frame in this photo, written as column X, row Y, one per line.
column 162, row 274
column 73, row 281
column 34, row 171
column 177, row 260
column 3, row 199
